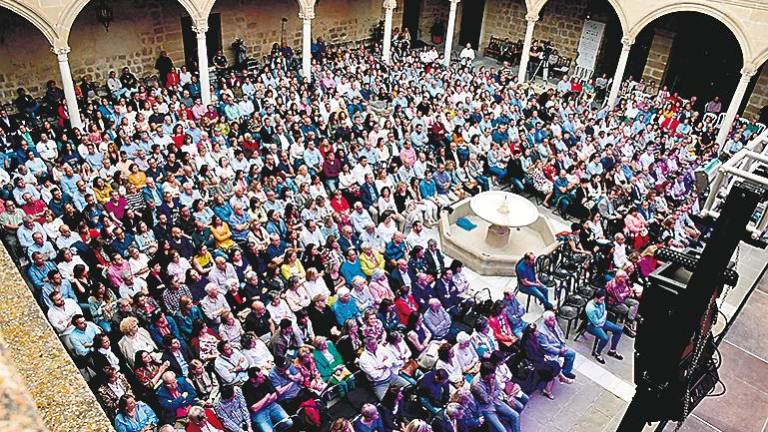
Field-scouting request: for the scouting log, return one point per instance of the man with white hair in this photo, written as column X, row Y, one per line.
column 464, row 353
column 221, row 272
column 213, row 304
column 438, row 321
column 552, row 341
column 360, row 218
column 448, row 420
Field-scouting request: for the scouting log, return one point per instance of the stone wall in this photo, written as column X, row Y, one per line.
column 759, row 97
column 337, row 21
column 26, row 59
column 433, row 11
column 142, row 28
column 656, row 64
column 560, row 21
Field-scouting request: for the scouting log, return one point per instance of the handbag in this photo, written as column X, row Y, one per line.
column 410, row 367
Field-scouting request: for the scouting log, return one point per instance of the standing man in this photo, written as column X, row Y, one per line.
column 163, row 64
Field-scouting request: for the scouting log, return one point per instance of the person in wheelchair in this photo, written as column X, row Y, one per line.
column 623, row 301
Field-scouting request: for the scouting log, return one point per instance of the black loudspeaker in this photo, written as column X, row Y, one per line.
column 674, row 369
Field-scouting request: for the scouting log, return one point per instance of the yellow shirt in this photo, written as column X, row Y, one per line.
column 370, row 263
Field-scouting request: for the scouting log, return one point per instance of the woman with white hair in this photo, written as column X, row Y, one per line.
column 361, row 294
column 418, row 426
column 379, row 287
column 466, row 356
column 135, row 339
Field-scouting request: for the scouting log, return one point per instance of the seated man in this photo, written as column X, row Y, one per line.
column 261, row 398
column 176, row 396
column 231, row 365
column 438, row 321
column 490, row 401
column 529, row 283
column 622, row 300
column 598, row 325
column 377, row 365
column 514, row 310
column 434, row 390
column 552, row 341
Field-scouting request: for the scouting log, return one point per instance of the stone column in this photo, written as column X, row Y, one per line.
column 522, row 72
column 201, row 28
column 389, row 9
column 658, row 56
column 747, row 72
column 449, row 33
column 618, row 77
column 62, row 55
column 307, row 14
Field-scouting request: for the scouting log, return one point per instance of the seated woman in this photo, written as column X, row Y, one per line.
column 204, row 341
column 331, row 366
column 402, row 363
column 148, row 371
column 546, row 370
column 310, row 375
column 419, row 338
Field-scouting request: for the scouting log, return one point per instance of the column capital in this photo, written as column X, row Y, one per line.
column 61, row 52
column 200, row 29
column 307, row 9
column 453, row 2
column 748, row 71
column 627, row 42
column 532, row 18
column 390, row 4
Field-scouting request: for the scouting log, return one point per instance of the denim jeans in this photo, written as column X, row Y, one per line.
column 380, row 387
column 498, row 172
column 484, row 182
column 568, row 358
column 505, row 419
column 539, row 291
column 520, row 401
column 266, row 419
column 602, row 335
column 517, row 184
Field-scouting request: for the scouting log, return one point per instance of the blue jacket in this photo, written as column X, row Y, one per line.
column 171, row 405
column 596, row 313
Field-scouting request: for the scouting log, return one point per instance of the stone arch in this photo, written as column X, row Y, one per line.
column 73, row 9
column 730, row 23
column 759, row 59
column 34, row 17
column 535, row 6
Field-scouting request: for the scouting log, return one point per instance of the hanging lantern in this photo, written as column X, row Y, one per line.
column 104, row 12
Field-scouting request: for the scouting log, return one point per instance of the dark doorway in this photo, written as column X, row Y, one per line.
column 411, row 12
column 471, row 22
column 213, row 38
column 704, row 63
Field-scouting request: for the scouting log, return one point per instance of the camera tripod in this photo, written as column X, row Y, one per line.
column 544, row 67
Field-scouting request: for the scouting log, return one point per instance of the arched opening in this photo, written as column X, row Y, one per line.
column 564, row 22
column 137, row 34
column 703, row 63
column 27, row 59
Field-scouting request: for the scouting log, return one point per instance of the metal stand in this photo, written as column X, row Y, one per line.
column 545, row 73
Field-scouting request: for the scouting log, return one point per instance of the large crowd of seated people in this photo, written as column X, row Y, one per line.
column 225, row 267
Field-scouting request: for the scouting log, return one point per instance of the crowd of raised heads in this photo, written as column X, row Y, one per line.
column 249, row 264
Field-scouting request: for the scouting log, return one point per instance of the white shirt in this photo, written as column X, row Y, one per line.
column 259, row 355
column 61, row 317
column 376, row 366
column 212, row 307
column 224, row 367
